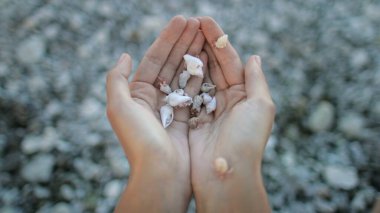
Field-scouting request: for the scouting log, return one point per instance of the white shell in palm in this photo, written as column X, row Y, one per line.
column 222, row 41
column 206, row 98
column 193, row 65
column 166, row 112
column 165, row 88
column 207, row 87
column 183, row 78
column 211, row 106
column 176, row 100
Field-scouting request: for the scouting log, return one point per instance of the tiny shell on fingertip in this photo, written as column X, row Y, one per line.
column 222, row 41
column 211, row 106
column 165, row 88
column 166, row 112
column 176, row 100
column 207, row 87
column 183, row 78
column 193, row 65
column 221, row 165
column 206, row 98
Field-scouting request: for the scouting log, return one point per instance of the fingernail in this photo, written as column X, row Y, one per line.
column 258, row 60
column 122, row 57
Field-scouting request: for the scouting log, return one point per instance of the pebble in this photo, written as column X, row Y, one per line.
column 341, row 177
column 39, row 168
column 62, row 208
column 351, row 124
column 31, row 50
column 359, row 58
column 322, row 117
column 113, row 189
column 45, row 142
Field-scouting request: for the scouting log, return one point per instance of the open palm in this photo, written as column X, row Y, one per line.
column 238, row 129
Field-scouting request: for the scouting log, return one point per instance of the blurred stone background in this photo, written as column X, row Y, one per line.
column 321, row 58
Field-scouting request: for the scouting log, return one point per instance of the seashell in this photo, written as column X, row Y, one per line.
column 207, row 87
column 176, row 100
column 183, row 78
column 211, row 106
column 180, row 92
column 165, row 88
column 166, row 112
column 193, row 122
column 193, row 65
column 222, row 41
column 197, row 103
column 206, row 98
column 221, row 165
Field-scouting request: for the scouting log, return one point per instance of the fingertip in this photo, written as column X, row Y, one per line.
column 179, row 19
column 124, row 64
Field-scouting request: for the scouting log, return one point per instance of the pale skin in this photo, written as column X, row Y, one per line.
column 168, row 165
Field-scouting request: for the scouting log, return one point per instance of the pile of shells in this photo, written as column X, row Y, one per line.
column 178, row 98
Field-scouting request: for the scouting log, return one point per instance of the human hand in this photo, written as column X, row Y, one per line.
column 237, row 131
column 159, row 158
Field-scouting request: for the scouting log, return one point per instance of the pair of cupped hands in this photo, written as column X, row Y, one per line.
column 169, row 165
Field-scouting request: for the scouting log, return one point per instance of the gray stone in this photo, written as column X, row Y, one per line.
column 67, row 192
column 45, row 142
column 39, row 169
column 341, row 177
column 61, row 208
column 31, row 50
column 322, row 117
column 351, row 124
column 359, row 58
column 113, row 189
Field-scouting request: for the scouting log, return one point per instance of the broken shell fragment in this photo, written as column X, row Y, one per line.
column 176, row 100
column 193, row 122
column 166, row 112
column 221, row 165
column 197, row 103
column 183, row 78
column 206, row 98
column 210, row 107
column 207, row 87
column 222, row 41
column 165, row 88
column 193, row 65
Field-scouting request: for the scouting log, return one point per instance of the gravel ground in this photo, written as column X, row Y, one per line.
column 321, row 58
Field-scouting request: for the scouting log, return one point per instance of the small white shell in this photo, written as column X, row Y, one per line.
column 183, row 78
column 165, row 88
column 206, row 98
column 210, row 107
column 193, row 65
column 207, row 87
column 222, row 41
column 174, row 99
column 221, row 165
column 166, row 112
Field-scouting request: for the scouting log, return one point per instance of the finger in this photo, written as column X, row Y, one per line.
column 227, row 57
column 117, row 80
column 194, row 50
column 158, row 53
column 255, row 82
column 192, row 88
column 215, row 71
column 180, row 48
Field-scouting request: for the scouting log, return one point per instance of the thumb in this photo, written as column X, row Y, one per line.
column 117, row 79
column 255, row 82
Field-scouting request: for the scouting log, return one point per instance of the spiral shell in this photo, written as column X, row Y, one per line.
column 207, row 87
column 193, row 122
column 166, row 112
column 183, row 78
column 176, row 100
column 193, row 65
column 197, row 103
column 165, row 88
column 222, row 41
column 210, row 107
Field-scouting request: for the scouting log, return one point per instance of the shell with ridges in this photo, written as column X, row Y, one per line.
column 222, row 41
column 206, row 98
column 193, row 65
column 211, row 106
column 165, row 88
column 183, row 78
column 207, row 87
column 176, row 100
